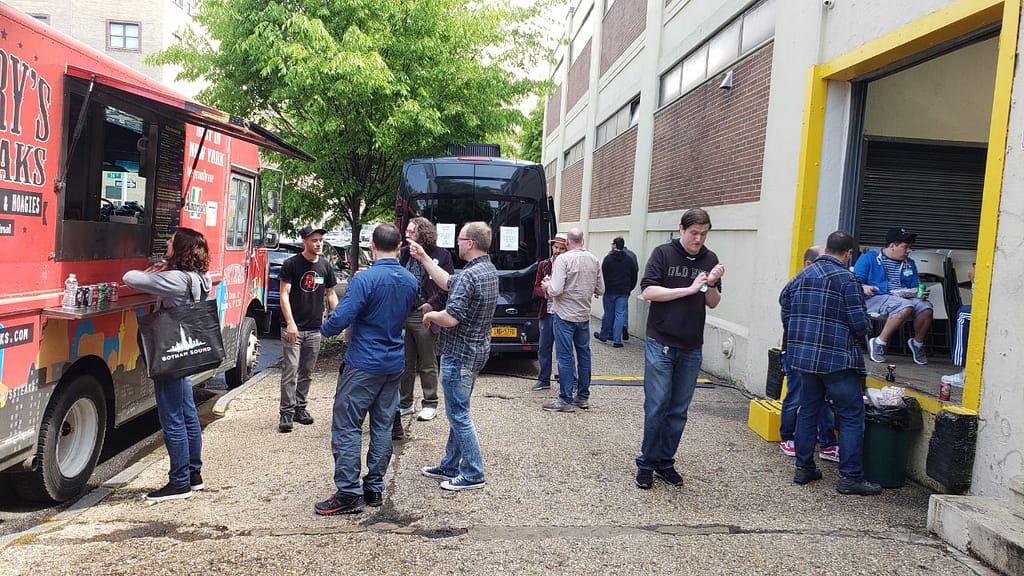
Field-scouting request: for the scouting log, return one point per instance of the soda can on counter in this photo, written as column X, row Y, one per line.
column 944, row 391
column 94, row 294
column 82, row 297
column 890, row 373
column 112, row 295
column 101, row 290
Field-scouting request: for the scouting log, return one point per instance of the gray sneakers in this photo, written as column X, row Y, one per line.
column 558, row 405
column 917, row 350
column 876, row 351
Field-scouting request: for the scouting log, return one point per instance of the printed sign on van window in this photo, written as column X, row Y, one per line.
column 510, row 238
column 446, row 235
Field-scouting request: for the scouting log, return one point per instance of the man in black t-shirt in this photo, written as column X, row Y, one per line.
column 682, row 278
column 306, row 280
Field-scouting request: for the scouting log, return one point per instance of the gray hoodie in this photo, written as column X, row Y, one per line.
column 170, row 286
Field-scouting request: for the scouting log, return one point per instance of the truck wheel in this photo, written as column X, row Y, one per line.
column 70, row 438
column 248, row 353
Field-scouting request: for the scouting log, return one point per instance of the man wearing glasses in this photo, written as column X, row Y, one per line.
column 465, row 343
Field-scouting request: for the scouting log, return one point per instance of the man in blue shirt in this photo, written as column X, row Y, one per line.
column 823, row 318
column 376, row 304
column 891, row 285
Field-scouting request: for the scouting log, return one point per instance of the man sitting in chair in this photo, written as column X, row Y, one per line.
column 891, row 284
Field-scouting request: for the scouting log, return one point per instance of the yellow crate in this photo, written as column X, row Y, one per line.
column 763, row 418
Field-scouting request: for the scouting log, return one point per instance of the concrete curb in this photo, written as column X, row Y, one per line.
column 122, row 478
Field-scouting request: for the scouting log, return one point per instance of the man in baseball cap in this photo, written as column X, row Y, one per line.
column 308, row 231
column 889, row 277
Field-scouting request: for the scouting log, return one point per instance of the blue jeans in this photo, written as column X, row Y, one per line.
column 569, row 337
column 545, row 348
column 358, row 393
column 614, row 320
column 846, row 388
column 791, row 405
column 462, row 452
column 179, row 420
column 670, row 378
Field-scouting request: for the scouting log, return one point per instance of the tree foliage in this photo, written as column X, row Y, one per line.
column 363, row 85
column 531, row 137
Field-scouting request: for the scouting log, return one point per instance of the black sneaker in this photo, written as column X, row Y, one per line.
column 397, row 432
column 195, row 481
column 339, row 504
column 286, row 423
column 169, row 492
column 670, row 476
column 645, row 479
column 625, row 334
column 373, row 498
column 859, row 487
column 303, row 417
column 541, row 386
column 806, row 475
column 597, row 336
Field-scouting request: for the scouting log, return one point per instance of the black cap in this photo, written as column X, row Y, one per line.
column 308, row 231
column 899, row 235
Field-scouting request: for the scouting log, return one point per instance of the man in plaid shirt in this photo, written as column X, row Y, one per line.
column 465, row 344
column 824, row 318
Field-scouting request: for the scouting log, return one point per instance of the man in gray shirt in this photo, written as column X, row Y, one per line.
column 575, row 280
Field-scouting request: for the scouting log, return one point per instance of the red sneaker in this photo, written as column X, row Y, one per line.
column 831, row 454
column 788, row 448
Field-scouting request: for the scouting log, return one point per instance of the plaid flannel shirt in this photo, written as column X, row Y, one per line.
column 472, row 296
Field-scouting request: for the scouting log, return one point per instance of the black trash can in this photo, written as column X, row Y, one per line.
column 887, row 442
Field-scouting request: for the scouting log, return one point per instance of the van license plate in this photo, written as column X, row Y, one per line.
column 504, row 332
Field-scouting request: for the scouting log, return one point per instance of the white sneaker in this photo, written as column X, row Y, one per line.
column 407, row 411
column 954, row 379
column 427, row 414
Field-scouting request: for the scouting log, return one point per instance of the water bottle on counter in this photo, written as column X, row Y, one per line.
column 70, row 292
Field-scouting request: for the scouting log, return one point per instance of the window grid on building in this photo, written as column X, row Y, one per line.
column 732, row 42
column 623, row 119
column 123, row 36
column 573, row 155
column 579, row 40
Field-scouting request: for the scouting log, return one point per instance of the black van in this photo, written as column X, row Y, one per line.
column 509, row 195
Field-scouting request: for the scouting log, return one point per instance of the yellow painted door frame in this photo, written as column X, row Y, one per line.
column 954, row 21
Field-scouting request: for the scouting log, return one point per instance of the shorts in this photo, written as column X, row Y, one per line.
column 887, row 305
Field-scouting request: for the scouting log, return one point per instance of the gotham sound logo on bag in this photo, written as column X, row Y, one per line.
column 186, row 346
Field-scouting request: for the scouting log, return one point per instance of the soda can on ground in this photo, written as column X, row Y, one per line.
column 944, row 391
column 890, row 373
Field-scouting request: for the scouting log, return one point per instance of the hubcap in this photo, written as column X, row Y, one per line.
column 77, row 438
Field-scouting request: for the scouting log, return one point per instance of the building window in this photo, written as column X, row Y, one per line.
column 608, row 5
column 123, row 36
column 623, row 119
column 573, row 155
column 579, row 41
column 44, row 18
column 736, row 39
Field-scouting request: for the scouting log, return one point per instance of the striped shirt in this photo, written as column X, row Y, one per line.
column 472, row 296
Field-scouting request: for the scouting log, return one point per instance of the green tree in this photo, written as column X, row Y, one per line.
column 363, row 85
column 531, row 137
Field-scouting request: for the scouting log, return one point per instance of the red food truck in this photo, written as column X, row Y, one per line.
column 98, row 166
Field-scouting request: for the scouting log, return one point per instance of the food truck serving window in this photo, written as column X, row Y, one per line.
column 109, row 177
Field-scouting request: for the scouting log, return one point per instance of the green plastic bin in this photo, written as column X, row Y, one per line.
column 886, row 447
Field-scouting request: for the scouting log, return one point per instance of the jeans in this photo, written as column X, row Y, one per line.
column 614, row 320
column 297, row 363
column 179, row 420
column 462, row 452
column 570, row 336
column 846, row 388
column 545, row 348
column 419, row 359
column 791, row 406
column 670, row 378
column 357, row 394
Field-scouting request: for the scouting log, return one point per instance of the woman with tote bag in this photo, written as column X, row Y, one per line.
column 188, row 259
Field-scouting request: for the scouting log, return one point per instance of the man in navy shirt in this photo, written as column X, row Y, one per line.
column 824, row 319
column 376, row 304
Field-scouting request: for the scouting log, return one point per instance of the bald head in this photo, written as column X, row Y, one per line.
column 812, row 253
column 574, row 238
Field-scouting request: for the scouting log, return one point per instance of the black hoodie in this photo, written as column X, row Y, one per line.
column 619, row 273
column 678, row 323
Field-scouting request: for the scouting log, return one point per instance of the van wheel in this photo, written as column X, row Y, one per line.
column 70, row 438
column 248, row 353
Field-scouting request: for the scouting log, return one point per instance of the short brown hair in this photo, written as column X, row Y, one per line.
column 479, row 233
column 695, row 216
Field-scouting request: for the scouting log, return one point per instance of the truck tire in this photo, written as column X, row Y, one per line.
column 70, row 439
column 248, row 353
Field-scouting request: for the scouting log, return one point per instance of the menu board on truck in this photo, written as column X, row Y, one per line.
column 167, row 204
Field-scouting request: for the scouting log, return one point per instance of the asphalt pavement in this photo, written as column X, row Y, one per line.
column 560, row 498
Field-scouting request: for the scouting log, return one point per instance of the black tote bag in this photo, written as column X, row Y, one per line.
column 182, row 340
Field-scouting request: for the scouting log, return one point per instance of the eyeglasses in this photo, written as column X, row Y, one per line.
column 461, row 238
